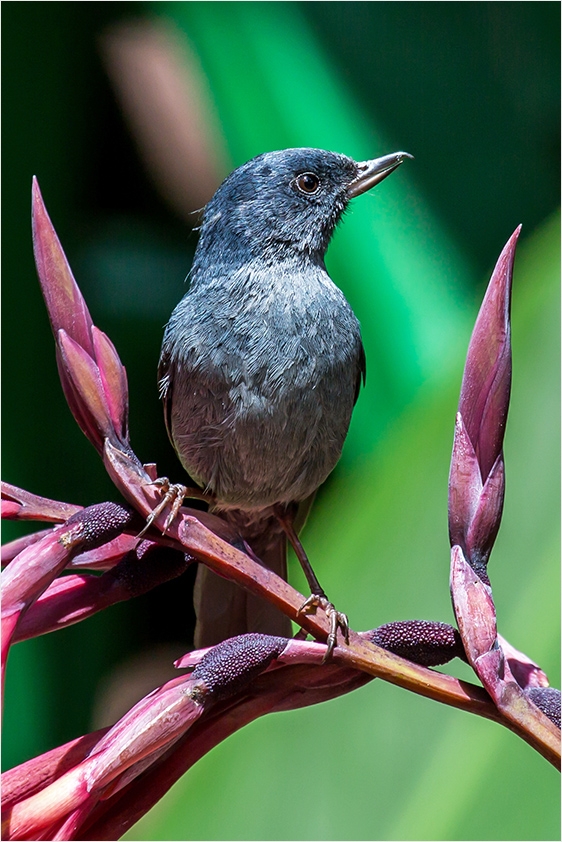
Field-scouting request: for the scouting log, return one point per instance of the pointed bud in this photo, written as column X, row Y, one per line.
column 32, row 571
column 465, row 485
column 65, row 304
column 92, row 376
column 486, row 384
column 486, row 520
column 83, row 390
column 476, row 479
column 114, row 381
column 474, row 608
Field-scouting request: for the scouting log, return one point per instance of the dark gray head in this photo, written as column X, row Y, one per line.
column 283, row 202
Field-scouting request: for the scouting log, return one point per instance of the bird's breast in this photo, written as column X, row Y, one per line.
column 262, row 389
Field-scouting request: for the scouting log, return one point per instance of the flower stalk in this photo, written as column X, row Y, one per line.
column 476, row 496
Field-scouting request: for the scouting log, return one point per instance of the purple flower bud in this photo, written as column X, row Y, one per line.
column 65, row 304
column 486, row 519
column 474, row 607
column 114, row 382
column 142, row 735
column 140, row 738
column 507, row 675
column 83, row 390
column 96, row 525
column 465, row 485
column 421, row 641
column 70, row 599
column 32, row 571
column 92, row 376
column 486, row 383
column 231, row 665
column 476, row 479
column 28, row 575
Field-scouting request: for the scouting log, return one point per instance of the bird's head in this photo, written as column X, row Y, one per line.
column 285, row 202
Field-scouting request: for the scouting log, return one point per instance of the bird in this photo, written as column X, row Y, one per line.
column 261, row 365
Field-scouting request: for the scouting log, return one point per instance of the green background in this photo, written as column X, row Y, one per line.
column 472, row 90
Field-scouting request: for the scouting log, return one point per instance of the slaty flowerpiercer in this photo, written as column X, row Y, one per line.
column 261, row 366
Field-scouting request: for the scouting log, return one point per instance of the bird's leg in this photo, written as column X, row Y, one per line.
column 317, row 598
column 172, row 494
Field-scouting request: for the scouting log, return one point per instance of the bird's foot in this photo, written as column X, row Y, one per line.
column 173, row 494
column 338, row 620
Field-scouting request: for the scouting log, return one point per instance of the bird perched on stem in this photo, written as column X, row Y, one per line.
column 261, row 366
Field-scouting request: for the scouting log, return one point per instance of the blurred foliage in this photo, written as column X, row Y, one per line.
column 472, row 90
column 411, row 317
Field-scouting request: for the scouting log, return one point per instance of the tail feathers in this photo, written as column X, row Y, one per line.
column 224, row 609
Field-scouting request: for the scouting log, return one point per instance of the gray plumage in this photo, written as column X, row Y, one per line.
column 262, row 358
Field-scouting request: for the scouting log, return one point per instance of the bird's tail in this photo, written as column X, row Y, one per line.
column 224, row 609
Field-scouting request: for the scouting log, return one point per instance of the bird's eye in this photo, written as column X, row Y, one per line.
column 307, row 182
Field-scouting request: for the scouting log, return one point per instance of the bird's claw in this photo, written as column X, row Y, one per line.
column 172, row 494
column 338, row 620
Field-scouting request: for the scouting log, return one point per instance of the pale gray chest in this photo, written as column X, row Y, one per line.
column 262, row 379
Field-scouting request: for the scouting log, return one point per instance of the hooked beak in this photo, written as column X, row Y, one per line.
column 373, row 172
